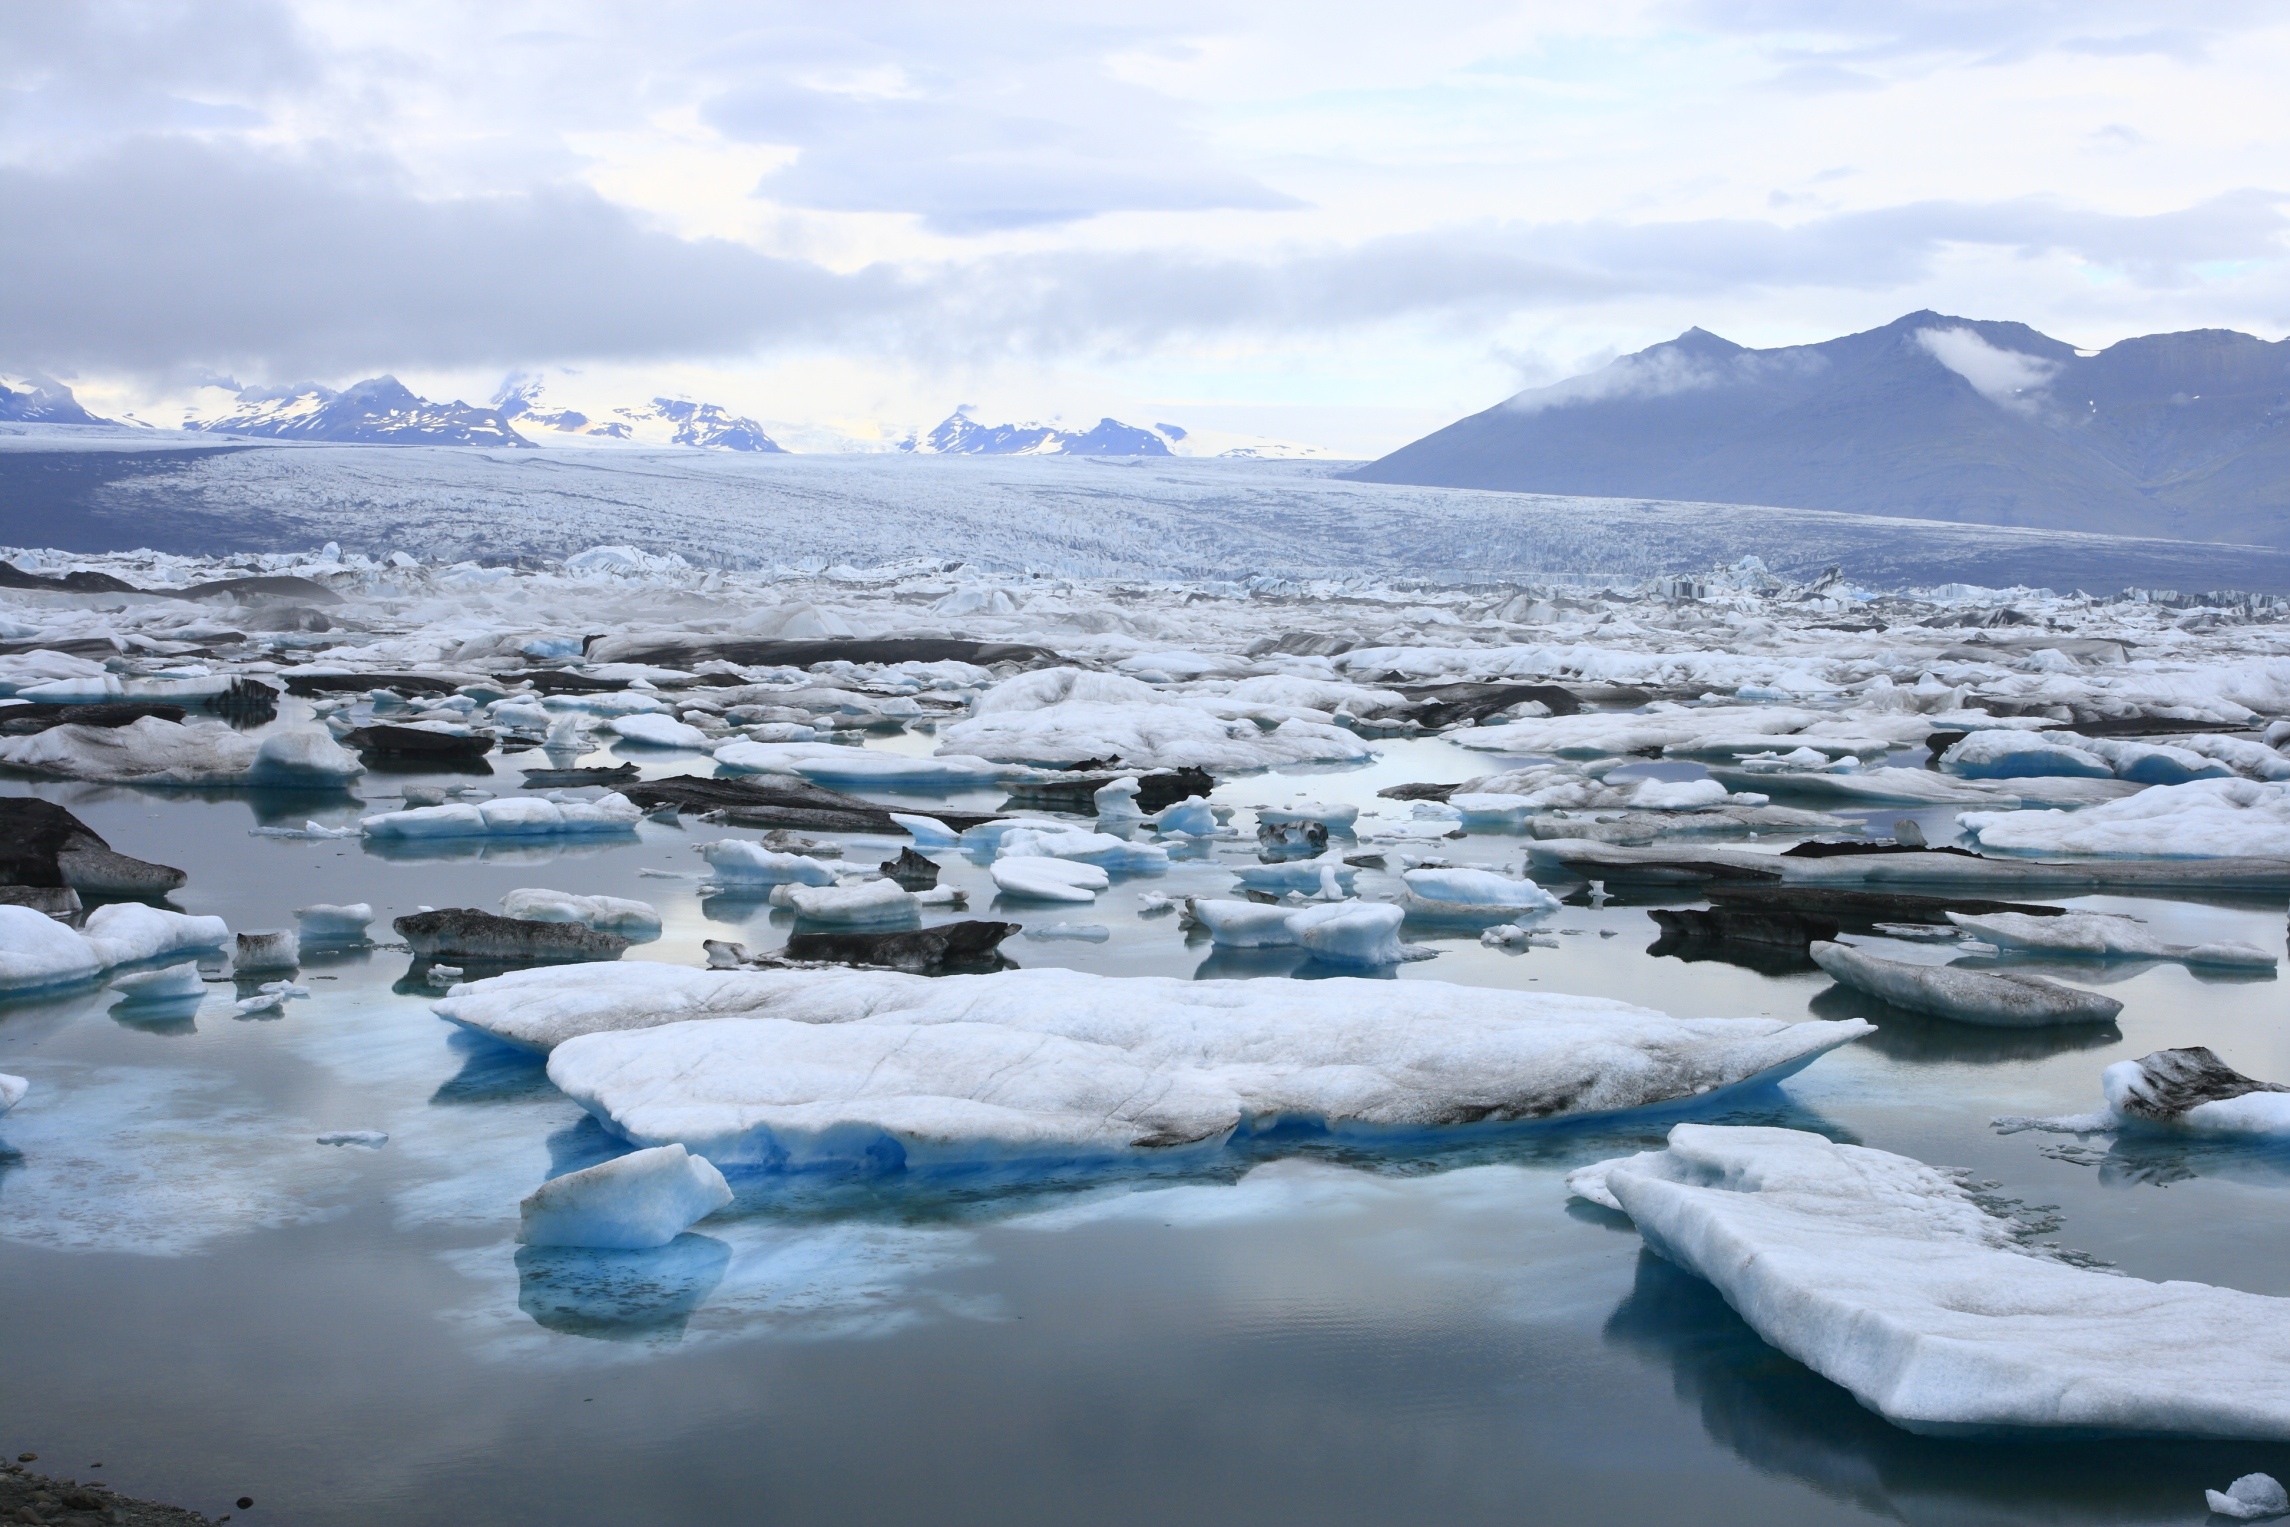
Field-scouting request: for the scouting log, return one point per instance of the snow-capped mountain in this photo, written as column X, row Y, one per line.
column 30, row 398
column 664, row 421
column 960, row 435
column 378, row 411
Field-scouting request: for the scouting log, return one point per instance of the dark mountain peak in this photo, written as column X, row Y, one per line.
column 960, row 435
column 1700, row 341
column 37, row 399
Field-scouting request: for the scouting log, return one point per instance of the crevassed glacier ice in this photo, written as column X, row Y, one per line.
column 1882, row 1274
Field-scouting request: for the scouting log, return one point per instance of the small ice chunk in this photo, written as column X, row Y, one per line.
column 1045, row 879
column 1099, row 848
column 2249, row 1498
column 1087, row 933
column 738, row 861
column 443, row 975
column 12, row 1090
column 927, row 832
column 942, row 896
column 1191, row 817
column 424, row 795
column 1463, row 891
column 329, row 924
column 368, row 1139
column 1116, row 800
column 657, row 731
column 262, row 1002
column 632, row 1203
column 867, row 903
column 277, row 949
column 171, row 984
column 613, row 914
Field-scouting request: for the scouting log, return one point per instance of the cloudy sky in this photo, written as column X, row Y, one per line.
column 1332, row 222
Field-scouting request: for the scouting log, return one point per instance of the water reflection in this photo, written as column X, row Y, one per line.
column 491, row 1072
column 1920, row 1038
column 1782, row 1418
column 642, row 1296
column 173, row 1017
column 2158, row 1161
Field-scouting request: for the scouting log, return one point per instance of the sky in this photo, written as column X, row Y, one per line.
column 1335, row 223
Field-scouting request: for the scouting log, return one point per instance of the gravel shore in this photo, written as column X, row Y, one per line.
column 26, row 1497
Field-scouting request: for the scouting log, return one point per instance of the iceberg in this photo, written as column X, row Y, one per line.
column 927, row 832
column 1968, row 996
column 510, row 817
column 1061, row 716
column 326, row 924
column 742, row 862
column 865, row 904
column 2205, row 819
column 279, row 949
column 1359, row 933
column 1192, row 817
column 653, row 730
column 639, row 920
column 2004, row 754
column 1103, row 849
column 1046, row 879
column 1883, row 1275
column 2105, row 936
column 827, row 762
column 2251, row 1498
column 12, row 1090
column 631, row 1203
column 1471, row 893
column 169, row 983
column 37, row 952
column 2186, row 1091
column 150, row 751
column 874, row 1068
column 1327, row 876
column 468, row 933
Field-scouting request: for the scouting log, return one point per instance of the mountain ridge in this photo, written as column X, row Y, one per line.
column 1931, row 416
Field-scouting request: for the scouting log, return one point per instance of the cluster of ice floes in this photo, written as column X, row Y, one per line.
column 507, row 817
column 852, row 1068
column 2213, row 819
column 1063, row 716
column 1885, row 1276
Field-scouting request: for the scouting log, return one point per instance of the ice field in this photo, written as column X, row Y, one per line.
column 621, row 1039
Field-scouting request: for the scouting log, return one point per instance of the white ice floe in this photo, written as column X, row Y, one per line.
column 1080, row 933
column 2002, row 754
column 2251, row 1498
column 37, row 952
column 866, row 903
column 1103, row 849
column 2106, row 936
column 309, row 831
column 327, row 924
column 742, row 861
column 1327, row 877
column 2009, row 1001
column 632, row 1203
column 1720, row 730
column 1065, row 715
column 510, row 817
column 1046, row 879
column 839, row 1066
column 1470, row 892
column 12, row 1090
column 149, row 751
column 657, row 731
column 1337, row 819
column 1339, row 933
column 828, row 763
column 169, row 983
column 1191, row 817
column 2212, row 818
column 639, row 920
column 1883, row 1275
column 1684, row 795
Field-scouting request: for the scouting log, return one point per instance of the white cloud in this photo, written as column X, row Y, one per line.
column 2009, row 377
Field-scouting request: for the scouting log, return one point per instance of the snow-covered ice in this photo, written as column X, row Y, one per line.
column 1472, row 893
column 37, row 952
column 1883, row 1275
column 507, row 817
column 2217, row 818
column 149, row 751
column 615, row 914
column 1040, row 878
column 742, row 861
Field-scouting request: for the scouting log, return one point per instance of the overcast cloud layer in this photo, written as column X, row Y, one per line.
column 1311, row 206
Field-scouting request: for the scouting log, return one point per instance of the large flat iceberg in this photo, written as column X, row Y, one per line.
column 150, row 751
column 2205, row 819
column 37, row 952
column 842, row 1066
column 1883, row 1275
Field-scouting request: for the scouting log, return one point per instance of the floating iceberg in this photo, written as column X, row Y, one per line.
column 1046, row 879
column 1339, row 933
column 631, row 1203
column 865, row 904
column 2212, row 818
column 826, row 762
column 2107, row 937
column 863, row 1067
column 2251, row 1498
column 1471, row 893
column 1192, row 817
column 12, row 1090
column 277, row 949
column 657, row 731
column 741, row 861
column 170, row 983
column 150, row 751
column 1968, row 996
column 511, row 817
column 1881, row 1274
column 469, row 933
column 639, row 920
column 1328, row 877
column 2005, row 754
column 37, row 952
column 1062, row 716
column 927, row 832
column 2184, row 1091
column 1103, row 849
column 325, row 924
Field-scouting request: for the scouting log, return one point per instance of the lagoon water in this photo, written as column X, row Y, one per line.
column 215, row 1305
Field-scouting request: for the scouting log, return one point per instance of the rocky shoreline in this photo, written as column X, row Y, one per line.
column 28, row 1497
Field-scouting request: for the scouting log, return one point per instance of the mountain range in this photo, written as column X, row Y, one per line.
column 960, row 435
column 664, row 421
column 34, row 399
column 1933, row 417
column 378, row 411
